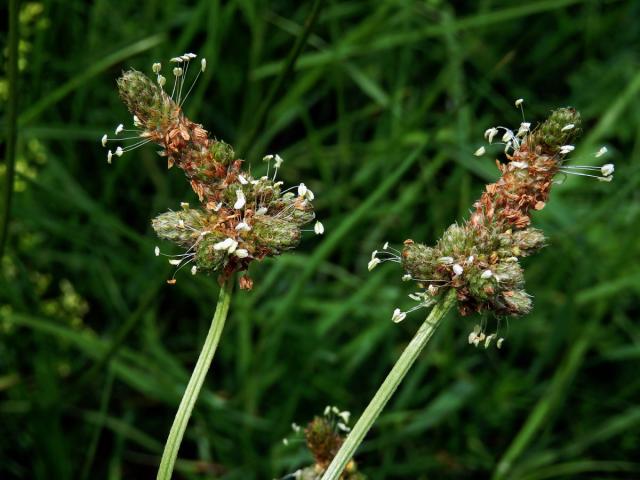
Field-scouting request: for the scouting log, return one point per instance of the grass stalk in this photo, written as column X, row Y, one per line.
column 192, row 391
column 12, row 121
column 389, row 386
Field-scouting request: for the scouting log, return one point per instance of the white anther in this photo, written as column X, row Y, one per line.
column 406, row 277
column 136, row 121
column 302, row 190
column 479, row 152
column 157, row 251
column 457, row 269
column 242, row 180
column 519, row 165
column 240, row 200
column 500, row 342
column 524, row 128
column 606, row 179
column 261, row 211
column 486, row 274
column 175, row 262
column 564, row 149
column 243, row 226
column 161, row 81
column 490, row 133
column 104, row 140
column 241, row 253
column 567, row 127
column 318, row 228
column 156, row 67
column 184, row 205
column 446, row 260
column 519, row 101
column 119, row 128
column 177, row 71
column 109, row 156
column 601, row 152
column 398, row 315
column 278, row 161
column 194, row 270
column 203, row 64
column 607, row 169
column 373, row 263
column 119, row 151
column 385, row 246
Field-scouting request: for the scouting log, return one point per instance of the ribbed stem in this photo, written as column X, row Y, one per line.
column 195, row 383
column 388, row 387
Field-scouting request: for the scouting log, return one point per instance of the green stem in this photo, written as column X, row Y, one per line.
column 12, row 120
column 388, row 387
column 195, row 383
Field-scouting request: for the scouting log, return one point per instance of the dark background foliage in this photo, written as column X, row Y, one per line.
column 380, row 117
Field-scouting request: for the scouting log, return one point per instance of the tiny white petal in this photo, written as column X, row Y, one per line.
column 157, row 251
column 479, row 152
column 318, row 228
column 486, row 274
column 457, row 269
column 345, row 416
column 398, row 315
column 519, row 101
column 373, row 263
column 119, row 128
column 607, row 169
column 240, row 200
column 194, row 270
column 601, row 152
column 567, row 127
column 217, row 207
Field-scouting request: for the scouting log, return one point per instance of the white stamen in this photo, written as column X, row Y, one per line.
column 601, row 152
column 278, row 161
column 136, row 121
column 318, row 228
column 176, row 60
column 241, row 253
column 490, row 133
column 479, row 152
column 119, row 151
column 520, row 165
column 606, row 179
column 243, row 181
column 457, row 269
column 109, row 155
column 295, row 427
column 500, row 342
column 243, row 226
column 406, row 277
column 241, row 200
column 343, row 427
column 567, row 127
column 446, row 260
column 385, row 246
column 564, row 149
column 104, row 140
column 119, row 128
column 470, row 259
column 607, row 169
column 302, row 190
column 507, row 136
column 373, row 263
column 261, row 211
column 472, row 337
column 175, row 261
column 177, row 71
column 156, row 67
column 203, row 64
column 519, row 101
column 345, row 416
column 184, row 205
column 161, row 80
column 524, row 128
column 486, row 274
column 398, row 316
column 194, row 270
column 157, row 251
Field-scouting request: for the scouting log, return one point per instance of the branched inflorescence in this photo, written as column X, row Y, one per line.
column 480, row 258
column 241, row 218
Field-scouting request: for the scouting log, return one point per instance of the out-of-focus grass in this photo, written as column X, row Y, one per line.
column 380, row 117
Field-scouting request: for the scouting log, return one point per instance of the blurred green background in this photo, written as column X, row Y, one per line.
column 380, row 116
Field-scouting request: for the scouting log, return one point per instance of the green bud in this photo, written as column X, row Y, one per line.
column 554, row 132
column 455, row 241
column 208, row 258
column 275, row 233
column 517, row 302
column 145, row 99
column 182, row 227
column 222, row 152
column 529, row 241
column 509, row 274
column 419, row 260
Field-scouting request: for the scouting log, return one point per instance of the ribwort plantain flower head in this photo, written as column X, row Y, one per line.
column 323, row 437
column 480, row 258
column 240, row 218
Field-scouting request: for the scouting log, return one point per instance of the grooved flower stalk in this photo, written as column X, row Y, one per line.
column 389, row 386
column 195, row 383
